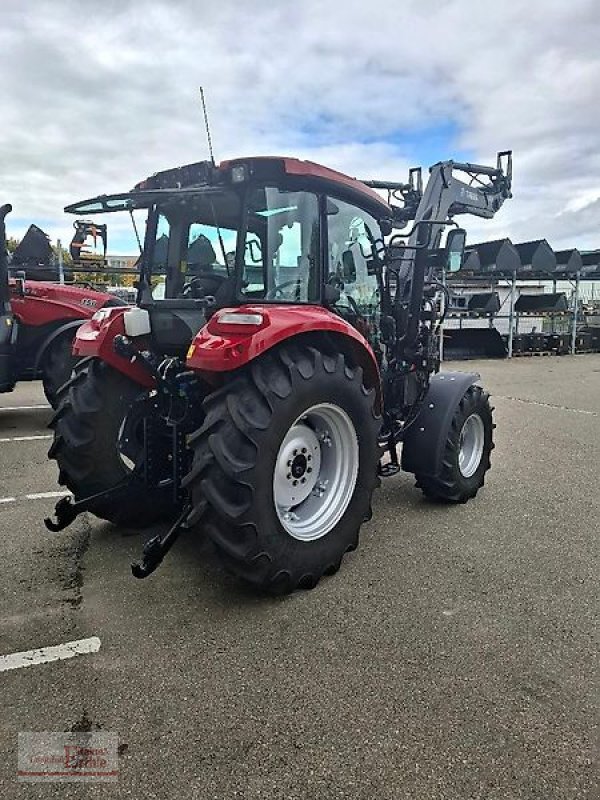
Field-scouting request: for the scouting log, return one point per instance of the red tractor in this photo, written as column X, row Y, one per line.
column 293, row 349
column 39, row 322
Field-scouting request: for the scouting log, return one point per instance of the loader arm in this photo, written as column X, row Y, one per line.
column 481, row 193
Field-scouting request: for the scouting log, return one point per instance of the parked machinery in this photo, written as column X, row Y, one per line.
column 38, row 321
column 296, row 343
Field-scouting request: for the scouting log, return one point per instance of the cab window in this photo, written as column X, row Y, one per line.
column 281, row 249
column 353, row 242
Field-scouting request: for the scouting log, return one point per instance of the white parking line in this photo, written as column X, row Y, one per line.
column 22, row 408
column 29, row 658
column 45, row 495
column 26, row 438
column 34, row 496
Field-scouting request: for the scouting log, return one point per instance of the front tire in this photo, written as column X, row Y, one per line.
column 467, row 451
column 87, row 425
column 284, row 467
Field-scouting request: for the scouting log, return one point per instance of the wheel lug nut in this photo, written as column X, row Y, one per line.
column 309, row 458
column 304, row 449
column 295, row 452
column 303, row 480
column 289, row 475
column 289, row 463
column 309, row 469
column 294, row 483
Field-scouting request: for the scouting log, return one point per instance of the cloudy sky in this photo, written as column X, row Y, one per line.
column 95, row 96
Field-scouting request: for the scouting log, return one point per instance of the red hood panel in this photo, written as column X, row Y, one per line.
column 46, row 302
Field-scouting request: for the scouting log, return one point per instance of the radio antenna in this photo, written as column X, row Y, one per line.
column 210, row 147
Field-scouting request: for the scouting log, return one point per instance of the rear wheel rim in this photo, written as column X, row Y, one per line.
column 315, row 473
column 470, row 445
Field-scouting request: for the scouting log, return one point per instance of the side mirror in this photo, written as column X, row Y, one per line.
column 455, row 249
column 348, row 267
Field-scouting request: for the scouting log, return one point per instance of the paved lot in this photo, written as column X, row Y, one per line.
column 454, row 656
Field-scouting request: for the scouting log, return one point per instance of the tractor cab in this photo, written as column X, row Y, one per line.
column 255, row 231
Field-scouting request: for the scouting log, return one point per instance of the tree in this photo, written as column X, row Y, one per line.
column 66, row 256
column 12, row 244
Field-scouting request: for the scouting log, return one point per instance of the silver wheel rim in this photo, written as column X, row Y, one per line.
column 470, row 445
column 315, row 472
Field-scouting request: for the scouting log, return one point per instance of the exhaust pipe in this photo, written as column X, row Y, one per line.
column 4, row 295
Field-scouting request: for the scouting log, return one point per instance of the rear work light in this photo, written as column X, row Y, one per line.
column 233, row 318
column 102, row 315
column 237, row 322
column 239, row 173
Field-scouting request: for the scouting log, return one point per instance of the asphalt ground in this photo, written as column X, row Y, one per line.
column 455, row 654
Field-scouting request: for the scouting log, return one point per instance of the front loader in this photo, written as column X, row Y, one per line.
column 295, row 348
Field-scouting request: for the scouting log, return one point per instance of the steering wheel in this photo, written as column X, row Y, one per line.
column 277, row 290
column 203, row 284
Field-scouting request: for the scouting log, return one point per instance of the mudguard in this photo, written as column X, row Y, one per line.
column 220, row 347
column 423, row 444
column 51, row 338
column 95, row 338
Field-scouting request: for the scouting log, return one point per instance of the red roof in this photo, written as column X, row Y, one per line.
column 309, row 169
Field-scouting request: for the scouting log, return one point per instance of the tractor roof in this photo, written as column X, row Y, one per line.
column 315, row 175
column 202, row 175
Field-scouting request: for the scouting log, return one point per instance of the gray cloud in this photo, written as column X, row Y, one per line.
column 94, row 98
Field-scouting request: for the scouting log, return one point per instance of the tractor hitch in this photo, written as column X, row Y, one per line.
column 157, row 547
column 67, row 509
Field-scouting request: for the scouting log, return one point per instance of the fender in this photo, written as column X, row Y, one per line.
column 95, row 338
column 51, row 338
column 423, row 444
column 223, row 346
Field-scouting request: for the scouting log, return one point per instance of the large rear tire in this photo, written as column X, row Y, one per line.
column 58, row 366
column 87, row 425
column 467, row 451
column 284, row 467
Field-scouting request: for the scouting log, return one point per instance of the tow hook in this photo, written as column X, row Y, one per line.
column 67, row 509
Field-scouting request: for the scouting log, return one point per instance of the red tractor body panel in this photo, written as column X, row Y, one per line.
column 95, row 338
column 46, row 303
column 223, row 346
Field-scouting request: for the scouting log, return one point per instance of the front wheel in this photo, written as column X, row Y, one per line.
column 467, row 451
column 286, row 463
